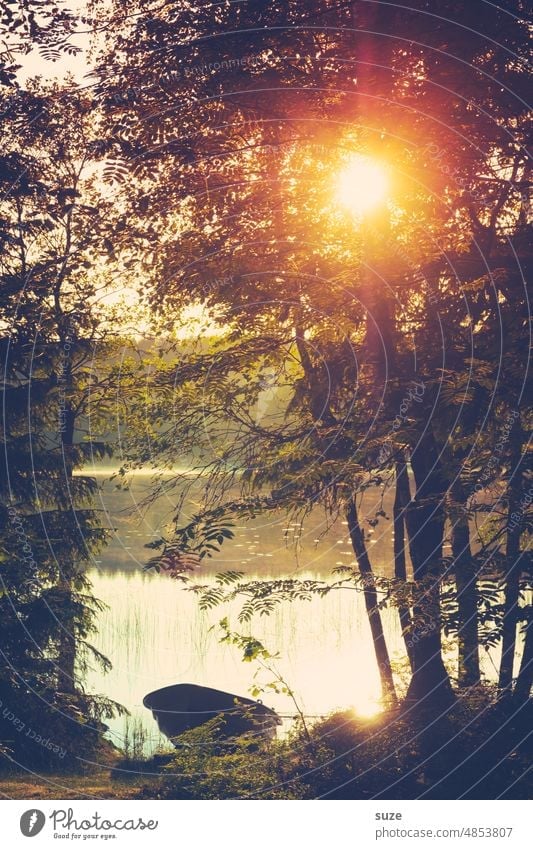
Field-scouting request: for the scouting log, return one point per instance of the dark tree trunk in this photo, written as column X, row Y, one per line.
column 66, row 660
column 430, row 688
column 524, row 682
column 371, row 602
column 467, row 594
column 324, row 418
column 512, row 594
column 373, row 48
column 513, row 562
column 373, row 51
column 401, row 501
column 379, row 333
column 512, row 591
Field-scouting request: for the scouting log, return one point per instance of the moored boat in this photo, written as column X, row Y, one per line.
column 180, row 707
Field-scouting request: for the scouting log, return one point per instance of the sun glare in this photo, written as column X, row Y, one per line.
column 361, row 185
column 368, row 708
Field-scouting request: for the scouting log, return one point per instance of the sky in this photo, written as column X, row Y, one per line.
column 194, row 320
column 33, row 63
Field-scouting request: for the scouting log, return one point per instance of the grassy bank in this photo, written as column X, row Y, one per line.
column 99, row 785
column 480, row 749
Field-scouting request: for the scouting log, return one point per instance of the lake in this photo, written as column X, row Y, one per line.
column 154, row 633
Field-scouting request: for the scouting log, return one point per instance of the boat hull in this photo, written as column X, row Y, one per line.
column 180, row 707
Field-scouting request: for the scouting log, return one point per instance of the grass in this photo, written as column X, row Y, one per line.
column 118, row 776
column 480, row 749
column 99, row 785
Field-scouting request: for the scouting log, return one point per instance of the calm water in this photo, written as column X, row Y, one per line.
column 154, row 633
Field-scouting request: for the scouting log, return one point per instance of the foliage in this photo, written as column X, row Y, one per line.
column 340, row 316
column 55, row 398
column 201, row 769
column 388, row 757
column 223, row 129
column 46, row 25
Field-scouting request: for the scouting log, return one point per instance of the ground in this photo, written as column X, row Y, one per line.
column 478, row 748
column 99, row 785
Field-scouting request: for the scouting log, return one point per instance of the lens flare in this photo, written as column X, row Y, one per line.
column 361, row 185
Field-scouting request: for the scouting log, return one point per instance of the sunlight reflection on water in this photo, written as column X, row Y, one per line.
column 155, row 634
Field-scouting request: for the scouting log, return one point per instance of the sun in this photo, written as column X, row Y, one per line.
column 361, row 185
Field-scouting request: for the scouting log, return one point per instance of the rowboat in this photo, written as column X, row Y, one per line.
column 180, row 707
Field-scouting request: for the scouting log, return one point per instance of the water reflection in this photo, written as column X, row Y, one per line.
column 155, row 634
column 271, row 544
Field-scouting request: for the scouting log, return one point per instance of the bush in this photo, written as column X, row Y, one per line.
column 480, row 748
column 47, row 732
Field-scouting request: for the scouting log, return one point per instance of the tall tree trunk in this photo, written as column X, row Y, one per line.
column 513, row 561
column 466, row 583
column 373, row 54
column 66, row 661
column 371, row 602
column 430, row 688
column 401, row 500
column 524, row 682
column 512, row 591
column 373, row 49
column 324, row 418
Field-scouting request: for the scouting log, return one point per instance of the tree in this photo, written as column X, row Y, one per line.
column 53, row 347
column 234, row 122
column 46, row 26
